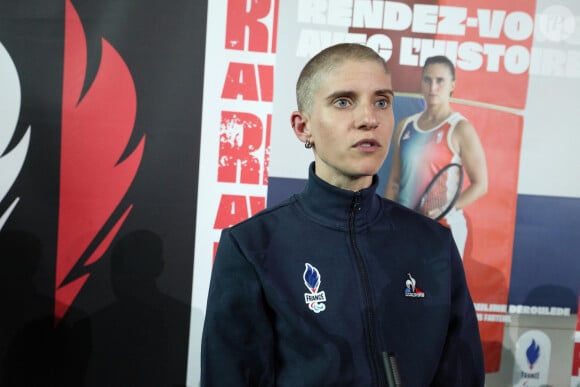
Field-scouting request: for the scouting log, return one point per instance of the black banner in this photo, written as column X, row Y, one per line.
column 97, row 239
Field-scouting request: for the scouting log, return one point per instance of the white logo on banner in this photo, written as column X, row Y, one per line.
column 556, row 23
column 10, row 162
column 532, row 356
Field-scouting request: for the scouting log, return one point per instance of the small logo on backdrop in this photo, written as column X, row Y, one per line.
column 411, row 290
column 532, row 356
column 315, row 298
column 533, row 353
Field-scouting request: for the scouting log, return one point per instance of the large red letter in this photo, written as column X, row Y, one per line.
column 240, row 137
column 240, row 80
column 241, row 20
column 234, row 208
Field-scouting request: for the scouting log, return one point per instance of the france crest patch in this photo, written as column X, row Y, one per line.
column 316, row 298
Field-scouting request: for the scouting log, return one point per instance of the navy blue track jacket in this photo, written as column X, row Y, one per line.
column 312, row 291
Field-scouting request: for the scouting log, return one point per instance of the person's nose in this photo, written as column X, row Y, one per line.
column 433, row 86
column 367, row 116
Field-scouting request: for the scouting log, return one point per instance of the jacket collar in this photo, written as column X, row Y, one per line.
column 333, row 206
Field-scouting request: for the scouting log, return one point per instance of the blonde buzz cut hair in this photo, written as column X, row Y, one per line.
column 326, row 61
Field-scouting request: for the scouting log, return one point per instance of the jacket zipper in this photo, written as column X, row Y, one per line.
column 375, row 365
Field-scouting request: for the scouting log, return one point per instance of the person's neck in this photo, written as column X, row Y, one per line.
column 437, row 113
column 349, row 184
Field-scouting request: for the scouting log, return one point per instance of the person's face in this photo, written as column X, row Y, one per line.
column 349, row 124
column 437, row 83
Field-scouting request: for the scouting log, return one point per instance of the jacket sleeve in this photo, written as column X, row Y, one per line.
column 237, row 336
column 462, row 361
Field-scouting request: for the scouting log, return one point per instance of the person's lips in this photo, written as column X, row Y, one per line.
column 367, row 144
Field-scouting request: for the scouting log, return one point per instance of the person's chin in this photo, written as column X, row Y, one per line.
column 368, row 170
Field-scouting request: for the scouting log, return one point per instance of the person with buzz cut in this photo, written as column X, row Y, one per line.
column 314, row 291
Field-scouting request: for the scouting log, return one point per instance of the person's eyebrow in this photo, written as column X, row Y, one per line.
column 351, row 94
column 428, row 78
column 340, row 94
column 385, row 91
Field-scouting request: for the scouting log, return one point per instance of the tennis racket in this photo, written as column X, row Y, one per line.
column 442, row 192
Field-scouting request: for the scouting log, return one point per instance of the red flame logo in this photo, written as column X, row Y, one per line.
column 96, row 128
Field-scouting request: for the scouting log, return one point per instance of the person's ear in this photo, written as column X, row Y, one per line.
column 298, row 121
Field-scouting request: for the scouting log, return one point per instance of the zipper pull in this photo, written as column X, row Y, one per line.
column 356, row 201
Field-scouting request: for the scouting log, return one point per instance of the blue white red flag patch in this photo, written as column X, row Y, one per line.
column 316, row 298
column 411, row 289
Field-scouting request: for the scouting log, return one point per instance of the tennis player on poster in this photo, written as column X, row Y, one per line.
column 426, row 142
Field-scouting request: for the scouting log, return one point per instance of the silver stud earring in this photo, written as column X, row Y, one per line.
column 307, row 144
